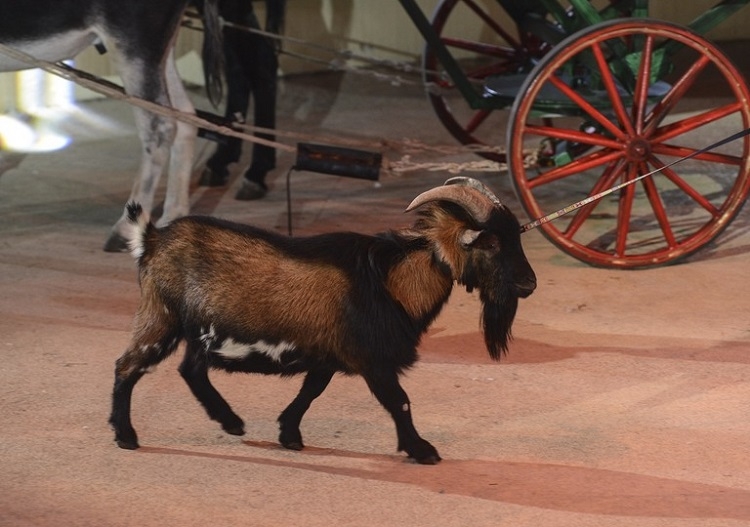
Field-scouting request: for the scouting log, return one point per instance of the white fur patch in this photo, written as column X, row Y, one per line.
column 134, row 240
column 207, row 336
column 231, row 349
column 52, row 49
column 133, row 233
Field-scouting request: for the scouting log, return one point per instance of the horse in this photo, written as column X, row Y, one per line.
column 140, row 35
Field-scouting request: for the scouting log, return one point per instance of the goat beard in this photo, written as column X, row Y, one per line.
column 498, row 312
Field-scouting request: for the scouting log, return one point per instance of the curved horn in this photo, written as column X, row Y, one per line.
column 475, row 184
column 474, row 201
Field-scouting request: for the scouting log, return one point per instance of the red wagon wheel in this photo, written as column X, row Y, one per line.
column 472, row 32
column 626, row 97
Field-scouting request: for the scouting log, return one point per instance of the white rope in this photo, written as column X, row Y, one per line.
column 116, row 92
column 403, row 165
column 341, row 56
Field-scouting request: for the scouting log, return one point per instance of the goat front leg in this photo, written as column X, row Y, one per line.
column 194, row 369
column 387, row 390
column 315, row 382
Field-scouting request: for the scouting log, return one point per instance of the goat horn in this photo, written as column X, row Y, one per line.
column 473, row 200
column 478, row 185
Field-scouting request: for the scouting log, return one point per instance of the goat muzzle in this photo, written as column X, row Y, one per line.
column 524, row 288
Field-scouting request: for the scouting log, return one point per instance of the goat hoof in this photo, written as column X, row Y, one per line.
column 127, row 444
column 291, row 440
column 293, row 445
column 424, row 453
column 235, row 430
column 232, row 424
column 429, row 460
column 116, row 244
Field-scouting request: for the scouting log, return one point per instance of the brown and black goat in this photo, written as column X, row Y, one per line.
column 250, row 300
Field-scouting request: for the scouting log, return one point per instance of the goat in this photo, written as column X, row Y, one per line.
column 337, row 302
column 140, row 34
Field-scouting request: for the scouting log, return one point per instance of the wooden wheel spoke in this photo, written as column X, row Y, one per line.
column 606, row 181
column 479, row 117
column 683, row 185
column 481, row 73
column 491, row 50
column 624, row 212
column 574, row 135
column 502, row 52
column 673, row 96
column 611, row 87
column 664, row 133
column 587, row 162
column 652, row 193
column 684, row 151
column 640, row 98
column 491, row 22
column 586, row 106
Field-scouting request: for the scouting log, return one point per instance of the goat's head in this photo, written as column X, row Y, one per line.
column 479, row 239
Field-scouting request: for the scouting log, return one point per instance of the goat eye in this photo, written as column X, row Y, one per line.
column 487, row 242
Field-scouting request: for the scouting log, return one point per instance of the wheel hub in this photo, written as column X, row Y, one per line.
column 638, row 149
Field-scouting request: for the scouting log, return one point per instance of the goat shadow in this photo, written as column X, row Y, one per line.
column 465, row 348
column 576, row 489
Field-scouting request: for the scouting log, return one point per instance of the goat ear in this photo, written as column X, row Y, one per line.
column 468, row 237
column 479, row 240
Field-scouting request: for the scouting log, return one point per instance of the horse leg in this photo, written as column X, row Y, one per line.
column 146, row 80
column 177, row 201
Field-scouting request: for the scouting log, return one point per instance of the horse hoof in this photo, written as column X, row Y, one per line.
column 116, row 244
column 212, row 178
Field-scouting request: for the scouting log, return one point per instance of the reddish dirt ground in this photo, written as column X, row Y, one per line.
column 624, row 400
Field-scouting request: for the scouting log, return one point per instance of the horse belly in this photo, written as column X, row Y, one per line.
column 54, row 48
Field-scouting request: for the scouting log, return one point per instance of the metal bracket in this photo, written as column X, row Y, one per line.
column 333, row 160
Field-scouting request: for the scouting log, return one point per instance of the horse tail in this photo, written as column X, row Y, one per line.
column 213, row 51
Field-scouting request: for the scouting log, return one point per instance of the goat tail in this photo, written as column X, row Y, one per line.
column 139, row 222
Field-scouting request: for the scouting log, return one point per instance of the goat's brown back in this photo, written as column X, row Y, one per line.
column 220, row 274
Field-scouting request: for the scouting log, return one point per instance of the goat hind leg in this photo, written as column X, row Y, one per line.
column 129, row 369
column 387, row 390
column 119, row 419
column 315, row 382
column 194, row 370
